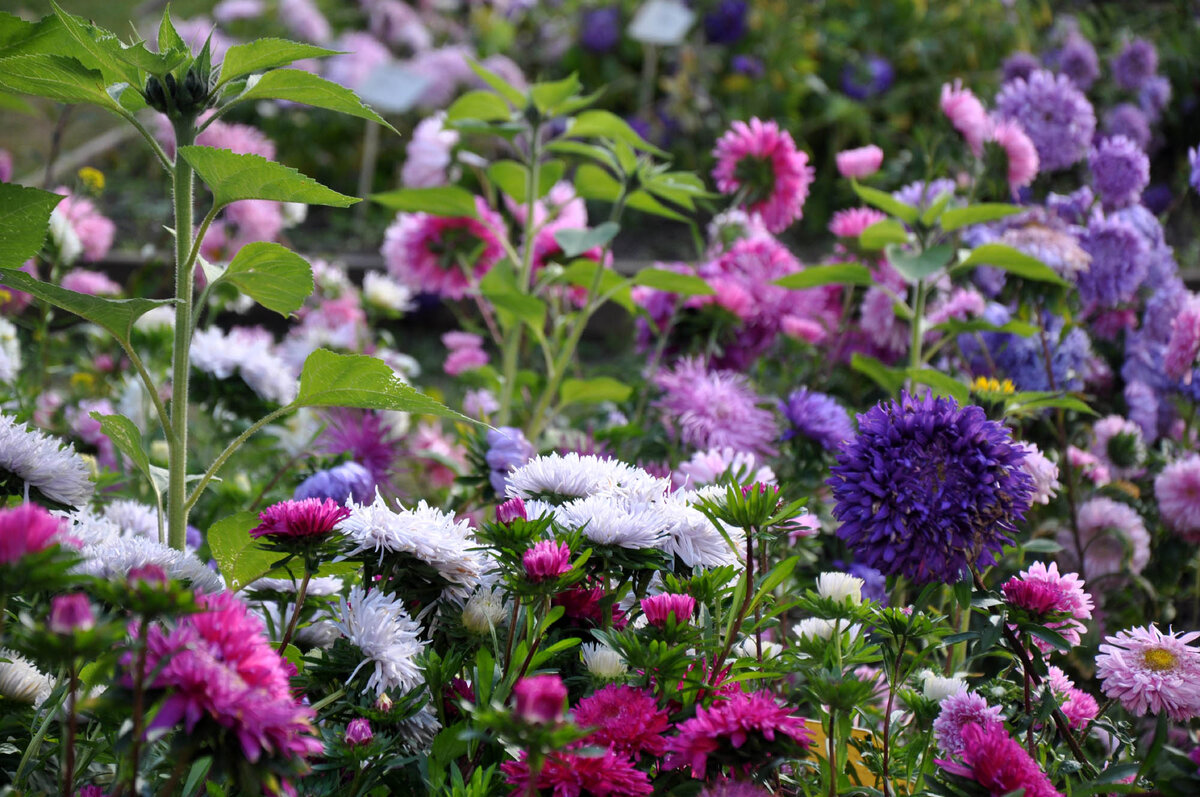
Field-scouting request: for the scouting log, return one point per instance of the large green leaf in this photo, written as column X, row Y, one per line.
column 272, row 275
column 499, row 286
column 887, row 203
column 24, row 219
column 501, row 86
column 263, row 54
column 355, row 380
column 297, row 85
column 480, row 106
column 831, row 274
column 47, row 35
column 916, row 266
column 601, row 388
column 955, row 218
column 606, row 124
column 446, row 200
column 582, row 272
column 114, row 315
column 1008, row 259
column 232, row 177
column 238, row 555
column 55, row 77
column 669, row 281
column 103, row 46
column 549, row 97
column 882, row 233
column 593, row 182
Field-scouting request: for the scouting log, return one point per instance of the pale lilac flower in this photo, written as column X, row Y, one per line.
column 1177, row 489
column 956, row 711
column 1184, row 344
column 1150, row 672
column 428, row 154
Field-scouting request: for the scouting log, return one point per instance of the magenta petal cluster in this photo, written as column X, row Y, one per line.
column 71, row 613
column 861, row 162
column 358, row 732
column 540, row 699
column 967, row 114
column 443, row 255
column 26, row 529
column 1057, row 599
column 658, row 608
column 625, row 718
column 851, row 222
column 1022, row 154
column 546, row 560
column 735, row 723
column 306, row 518
column 1150, row 672
column 568, row 773
column 759, row 158
column 992, row 759
column 955, row 713
column 510, row 510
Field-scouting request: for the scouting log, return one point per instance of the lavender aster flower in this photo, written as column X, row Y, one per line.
column 1128, row 120
column 1020, row 65
column 928, row 487
column 1135, row 64
column 1119, row 263
column 1054, row 113
column 1078, row 61
column 713, row 409
column 1194, row 161
column 346, row 481
column 921, row 194
column 1155, row 96
column 507, row 449
column 1120, row 171
column 817, row 417
column 747, row 65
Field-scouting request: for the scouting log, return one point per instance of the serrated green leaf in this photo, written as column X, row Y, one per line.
column 446, row 200
column 103, row 47
column 956, row 218
column 549, row 97
column 24, row 219
column 480, row 106
column 55, row 77
column 296, row 85
column 575, row 242
column 890, row 379
column 669, row 281
column 238, row 555
column 233, row 177
column 501, row 86
column 605, row 124
column 1008, row 259
column 272, row 275
column 887, row 203
column 598, row 389
column 169, row 39
column 831, row 274
column 883, row 233
column 941, row 383
column 263, row 54
column 125, row 435
column 356, row 380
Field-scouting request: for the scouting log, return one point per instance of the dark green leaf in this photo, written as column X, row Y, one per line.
column 232, row 177
column 890, row 379
column 1008, row 259
column 447, row 200
column 263, row 54
column 55, row 77
column 297, row 85
column 478, row 105
column 24, row 219
column 102, row 46
column 238, row 555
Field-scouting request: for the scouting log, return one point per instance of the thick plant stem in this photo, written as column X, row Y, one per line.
column 177, row 508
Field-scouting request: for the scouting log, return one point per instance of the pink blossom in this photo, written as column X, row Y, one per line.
column 511, row 510
column 993, row 760
column 71, row 613
column 460, row 361
column 734, row 721
column 443, row 456
column 625, row 719
column 1150, row 672
column 95, row 231
column 547, row 560
column 967, row 114
column 6, row 166
column 1057, row 600
column 1113, row 537
column 92, row 283
column 805, row 329
column 569, row 773
column 1077, row 706
column 762, row 159
column 955, row 712
column 540, row 699
column 961, row 304
column 428, row 154
column 1184, row 344
column 359, row 733
column 859, row 163
column 851, row 222
column 300, row 520
column 1177, row 489
column 1022, row 155
column 658, row 608
column 1091, row 467
column 424, row 251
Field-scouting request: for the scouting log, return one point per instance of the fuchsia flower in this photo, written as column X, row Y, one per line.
column 625, row 719
column 763, row 160
column 511, row 510
column 851, row 222
column 568, row 773
column 92, row 283
column 714, row 409
column 1177, row 489
column 993, row 760
column 734, row 728
column 1045, row 593
column 658, row 608
column 443, row 255
column 71, row 613
column 1077, row 706
column 27, row 529
column 309, row 517
column 95, row 230
column 861, row 162
column 955, row 713
column 359, row 732
column 540, row 699
column 1184, row 344
column 1022, row 154
column 967, row 114
column 465, row 352
column 547, row 560
column 1151, row 672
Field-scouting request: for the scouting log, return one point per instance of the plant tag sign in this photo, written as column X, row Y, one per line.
column 392, row 88
column 663, row 22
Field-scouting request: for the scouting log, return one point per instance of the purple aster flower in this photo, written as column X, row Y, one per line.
column 1054, row 113
column 867, row 78
column 1157, row 198
column 921, row 194
column 713, row 409
column 1073, row 208
column 600, row 29
column 1120, row 171
column 365, row 436
column 1135, row 64
column 928, row 487
column 1119, row 262
column 817, row 417
column 507, row 449
column 1143, row 404
column 1022, row 359
column 1155, row 96
column 1126, row 119
column 747, row 65
column 1077, row 60
column 1194, row 162
column 1020, row 65
column 341, row 482
column 726, row 23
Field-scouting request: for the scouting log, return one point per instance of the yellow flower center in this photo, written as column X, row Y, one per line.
column 1159, row 659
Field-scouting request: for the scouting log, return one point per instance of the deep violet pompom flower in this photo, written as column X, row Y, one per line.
column 576, row 772
column 762, row 160
column 955, row 712
column 1057, row 600
column 1120, row 171
column 867, row 77
column 659, row 608
column 1150, row 672
column 304, row 519
column 1183, row 347
column 816, row 416
column 443, row 255
column 600, row 29
column 726, row 23
column 1177, row 489
column 992, row 759
column 928, row 487
column 1055, row 115
column 624, row 718
column 27, row 529
column 713, row 409
column 744, row 730
column 1135, row 64
column 547, row 560
column 540, row 699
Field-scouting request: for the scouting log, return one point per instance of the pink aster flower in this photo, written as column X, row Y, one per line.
column 71, row 613
column 571, row 773
column 625, row 719
column 967, row 114
column 1057, row 599
column 27, row 529
column 547, row 560
column 459, row 361
column 1177, row 489
column 957, row 711
column 304, row 519
column 658, row 608
column 511, row 510
column 713, row 409
column 93, row 283
column 94, row 229
column 358, row 732
column 850, row 223
column 540, row 699
column 993, row 760
column 763, row 160
column 1095, row 470
column 1104, row 433
column 1113, row 537
column 1184, row 344
column 1077, row 706
column 433, row 254
column 738, row 727
column 1150, row 672
column 960, row 304
column 1043, row 472
column 861, row 162
column 1022, row 155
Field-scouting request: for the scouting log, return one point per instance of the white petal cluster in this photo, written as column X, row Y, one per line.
column 425, row 533
column 319, row 587
column 113, row 557
column 561, row 477
column 380, row 290
column 249, row 353
column 133, row 518
column 10, row 352
column 21, row 681
column 840, row 587
column 44, row 462
column 938, row 688
column 608, row 519
column 696, row 540
column 485, row 610
column 602, row 661
column 378, row 625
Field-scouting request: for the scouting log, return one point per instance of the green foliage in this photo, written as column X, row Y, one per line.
column 264, row 54
column 232, row 177
column 272, row 275
column 297, row 85
column 24, row 218
column 355, row 380
column 449, row 200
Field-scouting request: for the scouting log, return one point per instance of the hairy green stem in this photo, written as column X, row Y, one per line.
column 184, row 179
column 224, row 456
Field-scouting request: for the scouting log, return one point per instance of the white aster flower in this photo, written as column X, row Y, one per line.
column 696, row 540
column 250, row 353
column 814, row 628
column 10, row 352
column 115, row 557
column 378, row 625
column 319, row 587
column 485, row 610
column 380, row 290
column 602, row 662
column 133, row 518
column 44, row 463
column 65, row 239
column 558, row 477
column 1043, row 472
column 419, row 730
column 159, row 318
column 707, row 467
column 840, row 587
column 21, row 681
column 747, row 648
column 938, row 688
column 609, row 520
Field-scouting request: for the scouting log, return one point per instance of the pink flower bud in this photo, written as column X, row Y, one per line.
column 659, row 607
column 547, row 560
column 511, row 510
column 540, row 699
column 70, row 613
column 358, row 732
column 383, row 703
column 861, row 162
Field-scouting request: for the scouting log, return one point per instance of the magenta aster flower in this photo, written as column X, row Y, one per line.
column 861, row 162
column 1151, row 672
column 443, row 255
column 303, row 519
column 658, row 608
column 993, row 760
column 850, row 223
column 956, row 712
column 747, row 730
column 967, row 114
column 94, row 229
column 511, row 510
column 569, row 773
column 1177, row 489
column 1055, row 599
column 625, row 719
column 1184, row 345
column 70, row 613
column 547, row 560
column 540, row 699
column 762, row 160
column 713, row 409
column 365, row 437
column 359, row 732
column 27, row 529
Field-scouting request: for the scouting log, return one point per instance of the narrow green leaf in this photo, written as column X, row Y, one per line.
column 272, row 275
column 232, row 177
column 355, row 380
column 831, row 274
column 956, row 327
column 593, row 152
column 941, row 383
column 595, row 390
column 956, row 218
column 669, row 281
column 55, row 77
column 1049, row 636
column 882, row 233
column 605, row 124
column 446, row 200
column 1009, row 259
column 501, row 86
column 297, row 85
column 263, row 54
column 641, row 200
column 935, row 209
column 593, row 182
column 499, row 286
column 548, row 97
column 127, row 438
column 890, row 379
column 887, row 203
column 582, row 272
column 576, row 242
column 169, row 40
column 24, row 219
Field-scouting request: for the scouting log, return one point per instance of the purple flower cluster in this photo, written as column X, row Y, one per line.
column 928, row 487
column 1120, row 171
column 1119, row 262
column 1054, row 113
column 507, row 449
column 1135, row 64
column 816, row 416
column 1022, row 359
column 342, row 482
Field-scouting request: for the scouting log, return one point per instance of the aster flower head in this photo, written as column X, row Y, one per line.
column 1077, row 706
column 1135, row 64
column 921, row 194
column 660, row 608
column 840, row 587
column 1043, row 472
column 967, row 114
column 21, row 681
column 511, row 510
column 27, row 529
column 341, row 483
column 33, row 460
column 851, row 222
column 763, row 160
column 1127, row 119
column 860, row 162
column 540, row 699
column 578, row 772
column 1183, row 347
column 1057, row 600
column 71, row 613
column 743, row 730
column 1150, row 672
column 1113, row 537
column 114, row 557
column 1020, row 64
column 956, row 711
column 359, row 733
column 1020, row 154
column 867, row 77
column 1117, row 444
column 298, row 521
column 389, row 640
column 1077, row 60
column 1120, row 171
column 1119, row 262
column 817, row 417
column 625, row 719
column 1177, row 489
column 713, row 409
column 927, row 487
column 547, row 560
column 992, row 759
column 1055, row 115
column 424, row 252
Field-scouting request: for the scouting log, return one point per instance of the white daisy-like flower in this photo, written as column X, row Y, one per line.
column 379, row 626
column 44, row 463
column 115, row 557
column 382, row 291
column 602, row 661
column 558, row 477
column 609, row 520
column 21, row 681
column 840, row 587
column 89, row 528
column 65, row 239
column 937, row 687
column 319, row 587
column 485, row 610
column 425, row 533
column 814, row 628
column 747, row 648
column 419, row 730
column 250, row 353
column 133, row 517
column 697, row 541
column 10, row 352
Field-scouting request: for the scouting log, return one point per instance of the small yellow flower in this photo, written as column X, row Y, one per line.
column 92, row 179
column 990, row 384
column 5, row 295
column 83, row 380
